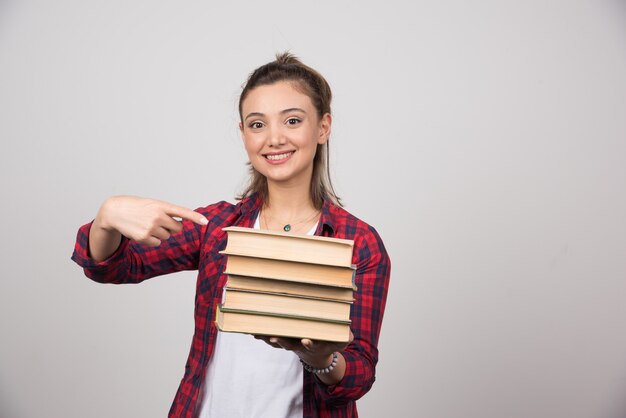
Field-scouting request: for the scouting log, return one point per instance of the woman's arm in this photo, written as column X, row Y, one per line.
column 361, row 355
column 354, row 373
column 133, row 239
column 146, row 221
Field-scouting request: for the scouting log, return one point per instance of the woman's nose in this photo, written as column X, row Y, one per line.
column 276, row 138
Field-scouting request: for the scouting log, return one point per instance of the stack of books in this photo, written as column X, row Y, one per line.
column 285, row 285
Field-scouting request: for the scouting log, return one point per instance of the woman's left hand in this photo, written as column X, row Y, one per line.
column 317, row 354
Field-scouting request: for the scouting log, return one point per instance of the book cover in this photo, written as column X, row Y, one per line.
column 247, row 322
column 290, row 288
column 275, row 303
column 284, row 246
column 290, row 271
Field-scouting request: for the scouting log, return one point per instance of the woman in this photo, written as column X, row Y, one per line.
column 285, row 123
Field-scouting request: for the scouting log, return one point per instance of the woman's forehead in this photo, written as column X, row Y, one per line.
column 274, row 98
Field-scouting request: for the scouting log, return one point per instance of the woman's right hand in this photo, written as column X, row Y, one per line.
column 147, row 221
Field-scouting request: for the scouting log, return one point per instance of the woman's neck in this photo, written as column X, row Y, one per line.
column 289, row 210
column 288, row 202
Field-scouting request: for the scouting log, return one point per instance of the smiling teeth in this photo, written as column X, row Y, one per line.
column 278, row 156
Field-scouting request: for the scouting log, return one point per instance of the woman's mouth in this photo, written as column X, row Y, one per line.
column 278, row 158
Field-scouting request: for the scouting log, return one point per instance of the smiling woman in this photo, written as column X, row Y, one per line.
column 285, row 126
column 304, row 80
column 282, row 142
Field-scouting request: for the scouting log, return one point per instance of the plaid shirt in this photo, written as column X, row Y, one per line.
column 197, row 247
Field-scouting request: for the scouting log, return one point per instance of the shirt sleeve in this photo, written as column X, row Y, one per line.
column 133, row 262
column 372, row 281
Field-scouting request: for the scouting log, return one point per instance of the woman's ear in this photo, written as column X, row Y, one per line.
column 241, row 131
column 325, row 125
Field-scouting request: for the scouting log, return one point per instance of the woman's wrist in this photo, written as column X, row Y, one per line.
column 103, row 239
column 326, row 367
column 102, row 220
column 317, row 362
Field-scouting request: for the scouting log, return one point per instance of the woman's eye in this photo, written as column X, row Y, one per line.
column 256, row 125
column 293, row 121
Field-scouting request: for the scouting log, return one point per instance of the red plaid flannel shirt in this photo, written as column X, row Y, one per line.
column 197, row 248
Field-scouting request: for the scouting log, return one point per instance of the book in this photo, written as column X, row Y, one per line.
column 292, row 326
column 276, row 303
column 287, row 285
column 290, row 271
column 284, row 246
column 290, row 288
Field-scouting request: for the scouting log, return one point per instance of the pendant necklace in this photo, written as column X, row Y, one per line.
column 287, row 226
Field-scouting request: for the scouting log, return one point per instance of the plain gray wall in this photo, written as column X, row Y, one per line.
column 485, row 140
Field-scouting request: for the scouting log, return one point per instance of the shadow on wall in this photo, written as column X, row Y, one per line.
column 7, row 410
column 620, row 409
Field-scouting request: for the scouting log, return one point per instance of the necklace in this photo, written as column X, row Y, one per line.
column 288, row 226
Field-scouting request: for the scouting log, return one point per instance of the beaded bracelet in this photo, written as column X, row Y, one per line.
column 325, row 370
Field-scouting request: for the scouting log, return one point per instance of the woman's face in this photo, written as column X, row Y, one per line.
column 281, row 130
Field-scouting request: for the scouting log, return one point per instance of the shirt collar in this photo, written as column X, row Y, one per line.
column 327, row 221
column 251, row 205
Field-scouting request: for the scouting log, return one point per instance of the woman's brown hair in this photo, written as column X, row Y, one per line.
column 288, row 67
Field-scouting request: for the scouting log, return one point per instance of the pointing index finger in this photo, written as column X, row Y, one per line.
column 185, row 213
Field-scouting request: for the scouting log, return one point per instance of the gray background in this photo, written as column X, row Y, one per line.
column 485, row 140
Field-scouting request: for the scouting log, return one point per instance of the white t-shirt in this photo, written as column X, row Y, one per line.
column 247, row 378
